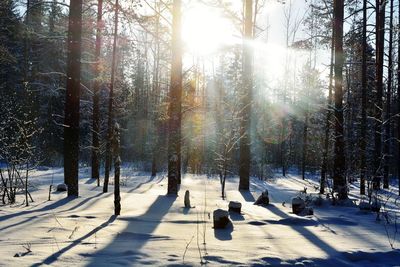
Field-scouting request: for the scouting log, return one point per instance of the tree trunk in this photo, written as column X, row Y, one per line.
column 245, row 156
column 96, row 109
column 110, row 104
column 175, row 102
column 155, row 93
column 304, row 151
column 71, row 117
column 117, row 170
column 398, row 108
column 324, row 166
column 339, row 178
column 388, row 104
column 283, row 148
column 364, row 69
column 380, row 40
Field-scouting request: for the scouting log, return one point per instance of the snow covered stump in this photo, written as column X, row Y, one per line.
column 187, row 199
column 221, row 219
column 263, row 199
column 235, row 206
column 61, row 187
column 298, row 205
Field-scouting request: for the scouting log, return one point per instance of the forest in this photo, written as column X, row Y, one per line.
column 199, row 132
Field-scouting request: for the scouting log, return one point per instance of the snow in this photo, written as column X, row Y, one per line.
column 154, row 229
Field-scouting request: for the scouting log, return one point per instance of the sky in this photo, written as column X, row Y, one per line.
column 207, row 29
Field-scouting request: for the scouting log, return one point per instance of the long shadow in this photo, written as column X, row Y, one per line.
column 247, row 196
column 143, row 183
column 48, row 209
column 345, row 259
column 52, row 258
column 51, row 206
column 305, row 232
column 137, row 233
column 298, row 225
column 91, row 181
column 83, row 202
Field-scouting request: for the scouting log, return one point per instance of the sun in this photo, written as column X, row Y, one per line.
column 205, row 30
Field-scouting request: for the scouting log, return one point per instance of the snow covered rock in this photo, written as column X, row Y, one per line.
column 61, row 187
column 263, row 199
column 187, row 199
column 221, row 219
column 235, row 206
column 307, row 211
column 298, row 205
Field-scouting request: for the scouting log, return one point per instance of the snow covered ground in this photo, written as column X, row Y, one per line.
column 156, row 230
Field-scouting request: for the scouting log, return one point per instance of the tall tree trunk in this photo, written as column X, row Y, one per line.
column 26, row 41
column 324, row 166
column 96, row 109
column 398, row 106
column 110, row 104
column 304, row 150
column 283, row 148
column 339, row 178
column 175, row 104
column 380, row 40
column 117, row 169
column 364, row 69
column 71, row 118
column 156, row 92
column 387, row 141
column 245, row 156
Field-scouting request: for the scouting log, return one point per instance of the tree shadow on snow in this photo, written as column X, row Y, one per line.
column 91, row 181
column 49, row 207
column 247, row 196
column 137, row 233
column 346, row 259
column 151, row 179
column 54, row 257
column 312, row 238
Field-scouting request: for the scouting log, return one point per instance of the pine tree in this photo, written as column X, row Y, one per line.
column 387, row 122
column 71, row 119
column 245, row 154
column 339, row 178
column 110, row 104
column 380, row 45
column 175, row 103
column 96, row 96
column 363, row 141
column 398, row 104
